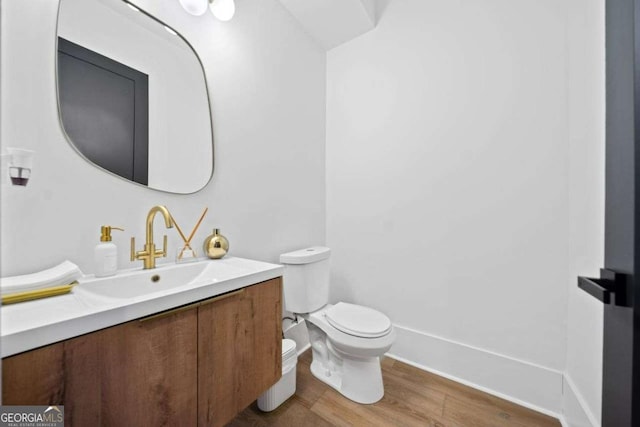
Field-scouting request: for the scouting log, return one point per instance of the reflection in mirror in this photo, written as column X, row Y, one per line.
column 132, row 96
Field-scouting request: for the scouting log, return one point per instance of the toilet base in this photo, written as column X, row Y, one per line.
column 359, row 379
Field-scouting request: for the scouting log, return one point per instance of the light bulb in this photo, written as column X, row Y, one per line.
column 194, row 7
column 222, row 9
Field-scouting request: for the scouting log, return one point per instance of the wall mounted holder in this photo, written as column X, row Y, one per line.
column 16, row 166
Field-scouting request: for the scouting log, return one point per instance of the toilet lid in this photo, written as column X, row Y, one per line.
column 358, row 320
column 288, row 349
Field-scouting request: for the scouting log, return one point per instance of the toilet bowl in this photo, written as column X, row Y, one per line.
column 347, row 340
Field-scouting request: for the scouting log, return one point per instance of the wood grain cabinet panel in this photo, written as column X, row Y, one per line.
column 140, row 373
column 35, row 377
column 239, row 350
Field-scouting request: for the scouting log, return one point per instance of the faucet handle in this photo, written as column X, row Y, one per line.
column 164, row 246
column 133, row 249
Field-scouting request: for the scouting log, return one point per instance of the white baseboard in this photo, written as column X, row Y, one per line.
column 576, row 412
column 518, row 381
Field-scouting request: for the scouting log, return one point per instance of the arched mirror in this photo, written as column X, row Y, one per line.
column 132, row 96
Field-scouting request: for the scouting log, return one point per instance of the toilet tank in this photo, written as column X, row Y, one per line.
column 306, row 279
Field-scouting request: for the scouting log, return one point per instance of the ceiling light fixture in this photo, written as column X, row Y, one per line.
column 194, row 7
column 222, row 9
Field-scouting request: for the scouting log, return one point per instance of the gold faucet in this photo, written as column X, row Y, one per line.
column 149, row 254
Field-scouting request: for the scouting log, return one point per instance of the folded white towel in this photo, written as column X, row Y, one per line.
column 62, row 274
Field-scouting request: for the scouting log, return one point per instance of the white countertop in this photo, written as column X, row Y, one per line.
column 28, row 325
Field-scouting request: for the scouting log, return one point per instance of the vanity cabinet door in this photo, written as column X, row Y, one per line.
column 35, row 377
column 239, row 350
column 141, row 373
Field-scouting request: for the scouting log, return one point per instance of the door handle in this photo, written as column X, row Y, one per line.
column 611, row 287
column 598, row 288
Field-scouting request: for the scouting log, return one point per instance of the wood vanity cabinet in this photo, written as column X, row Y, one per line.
column 195, row 365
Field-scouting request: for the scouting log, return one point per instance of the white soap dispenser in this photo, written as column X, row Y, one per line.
column 106, row 253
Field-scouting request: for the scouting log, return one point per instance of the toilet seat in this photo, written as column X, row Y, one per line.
column 351, row 344
column 357, row 320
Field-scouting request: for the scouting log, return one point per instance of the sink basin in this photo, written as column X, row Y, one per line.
column 137, row 283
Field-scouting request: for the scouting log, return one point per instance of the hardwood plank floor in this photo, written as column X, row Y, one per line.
column 412, row 398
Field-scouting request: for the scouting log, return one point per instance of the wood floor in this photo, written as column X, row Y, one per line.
column 412, row 398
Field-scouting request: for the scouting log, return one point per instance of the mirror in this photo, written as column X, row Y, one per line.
column 132, row 96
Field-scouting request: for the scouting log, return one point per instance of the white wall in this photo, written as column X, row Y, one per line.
column 447, row 187
column 267, row 86
column 586, row 190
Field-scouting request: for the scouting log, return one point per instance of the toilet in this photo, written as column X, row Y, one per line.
column 347, row 340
